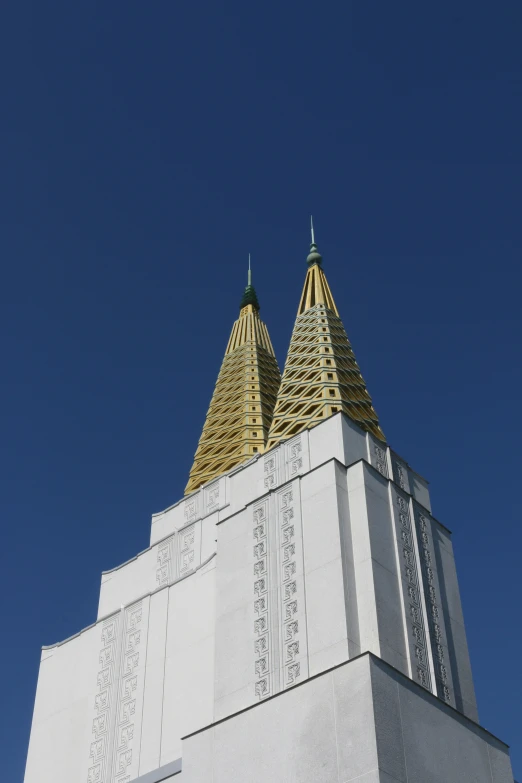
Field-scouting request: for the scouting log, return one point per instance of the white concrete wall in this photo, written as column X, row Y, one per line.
column 406, row 590
column 329, row 564
column 325, row 549
column 328, row 440
column 281, row 613
column 170, row 559
column 361, row 721
column 198, row 505
column 61, row 730
column 189, row 660
column 421, row 739
column 261, row 637
column 321, row 731
column 456, row 642
column 337, row 437
column 377, row 583
column 323, row 505
column 113, row 702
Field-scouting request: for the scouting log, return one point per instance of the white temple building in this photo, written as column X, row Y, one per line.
column 296, row 617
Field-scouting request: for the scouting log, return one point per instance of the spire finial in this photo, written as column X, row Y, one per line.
column 314, row 256
column 249, row 297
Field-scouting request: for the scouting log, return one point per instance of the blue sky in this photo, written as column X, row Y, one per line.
column 146, row 149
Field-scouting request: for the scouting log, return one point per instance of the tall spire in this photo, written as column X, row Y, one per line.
column 321, row 375
column 240, row 412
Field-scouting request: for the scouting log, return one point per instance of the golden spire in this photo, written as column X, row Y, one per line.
column 240, row 412
column 321, row 375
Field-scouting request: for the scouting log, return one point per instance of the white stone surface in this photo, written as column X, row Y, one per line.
column 199, row 505
column 189, row 661
column 150, row 751
column 321, row 498
column 162, row 564
column 291, row 564
column 361, row 721
column 118, row 697
column 357, row 584
column 60, row 734
column 327, row 441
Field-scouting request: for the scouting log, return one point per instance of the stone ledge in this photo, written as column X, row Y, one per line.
column 381, row 663
column 161, row 773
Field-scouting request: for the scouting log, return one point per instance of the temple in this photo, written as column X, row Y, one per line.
column 296, row 617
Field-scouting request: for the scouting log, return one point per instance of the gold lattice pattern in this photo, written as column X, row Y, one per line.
column 240, row 412
column 321, row 375
column 316, row 291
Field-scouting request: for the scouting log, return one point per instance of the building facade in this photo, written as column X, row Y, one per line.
column 296, row 617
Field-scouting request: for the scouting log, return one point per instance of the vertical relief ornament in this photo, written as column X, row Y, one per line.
column 400, row 474
column 187, row 537
column 261, row 615
column 114, row 747
column 212, row 498
column 164, row 562
column 294, row 456
column 291, row 600
column 191, row 508
column 433, row 608
column 132, row 651
column 417, row 640
column 270, row 469
column 107, row 677
column 379, row 460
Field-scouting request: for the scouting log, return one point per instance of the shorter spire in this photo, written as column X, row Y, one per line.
column 314, row 256
column 240, row 412
column 250, row 296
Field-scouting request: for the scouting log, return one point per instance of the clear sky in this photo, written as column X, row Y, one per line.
column 146, row 149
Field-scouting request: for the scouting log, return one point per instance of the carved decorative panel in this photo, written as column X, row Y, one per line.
column 378, row 456
column 191, row 508
column 401, row 474
column 417, row 643
column 292, row 621
column 114, row 750
column 271, row 469
column 294, row 456
column 187, row 549
column 212, row 499
column 100, row 752
column 434, row 609
column 165, row 562
column 261, row 614
column 133, row 648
